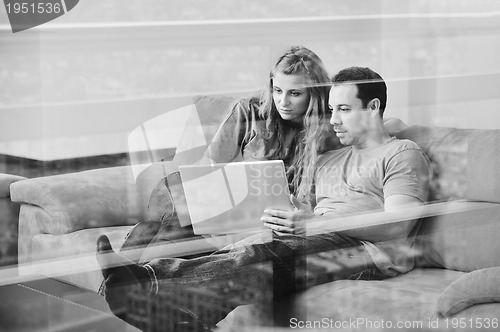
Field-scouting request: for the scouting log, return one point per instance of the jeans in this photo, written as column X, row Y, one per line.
column 263, row 274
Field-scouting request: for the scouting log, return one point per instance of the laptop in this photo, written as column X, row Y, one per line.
column 231, row 198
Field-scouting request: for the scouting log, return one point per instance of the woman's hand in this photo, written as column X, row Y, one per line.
column 288, row 222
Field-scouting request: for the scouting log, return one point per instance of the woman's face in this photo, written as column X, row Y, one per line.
column 291, row 96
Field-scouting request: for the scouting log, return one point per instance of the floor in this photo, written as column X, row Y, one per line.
column 50, row 305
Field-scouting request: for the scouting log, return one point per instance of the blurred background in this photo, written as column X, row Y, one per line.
column 73, row 89
column 76, row 86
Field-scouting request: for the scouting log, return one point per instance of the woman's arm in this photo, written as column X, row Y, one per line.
column 227, row 142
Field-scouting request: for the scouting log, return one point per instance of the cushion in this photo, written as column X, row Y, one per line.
column 407, row 298
column 210, row 110
column 201, row 126
column 466, row 162
column 463, row 238
column 481, row 286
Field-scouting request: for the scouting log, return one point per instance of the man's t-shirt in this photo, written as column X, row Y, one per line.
column 352, row 181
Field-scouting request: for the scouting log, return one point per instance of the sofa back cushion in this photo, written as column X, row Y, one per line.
column 201, row 127
column 465, row 161
column 464, row 237
column 465, row 165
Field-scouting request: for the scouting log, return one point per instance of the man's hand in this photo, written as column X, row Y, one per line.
column 288, row 222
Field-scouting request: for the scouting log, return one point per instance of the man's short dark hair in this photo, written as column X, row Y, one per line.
column 370, row 84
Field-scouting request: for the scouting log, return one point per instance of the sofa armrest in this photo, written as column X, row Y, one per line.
column 88, row 199
column 446, row 235
column 382, row 217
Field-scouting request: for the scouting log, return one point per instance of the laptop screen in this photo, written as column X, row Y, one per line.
column 231, row 198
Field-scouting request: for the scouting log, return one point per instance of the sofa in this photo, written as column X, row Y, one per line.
column 61, row 216
column 454, row 286
column 9, row 214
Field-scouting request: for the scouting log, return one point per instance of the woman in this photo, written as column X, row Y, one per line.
column 288, row 121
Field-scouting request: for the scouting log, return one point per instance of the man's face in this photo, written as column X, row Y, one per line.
column 350, row 120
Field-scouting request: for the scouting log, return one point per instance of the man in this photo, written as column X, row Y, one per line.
column 373, row 172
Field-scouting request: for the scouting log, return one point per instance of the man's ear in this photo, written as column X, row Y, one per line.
column 374, row 106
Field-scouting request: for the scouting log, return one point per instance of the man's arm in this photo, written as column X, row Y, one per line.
column 392, row 230
column 405, row 185
column 297, row 222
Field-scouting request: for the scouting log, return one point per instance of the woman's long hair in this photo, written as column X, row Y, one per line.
column 299, row 60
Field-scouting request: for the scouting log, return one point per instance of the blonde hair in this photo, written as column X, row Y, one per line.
column 299, row 60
